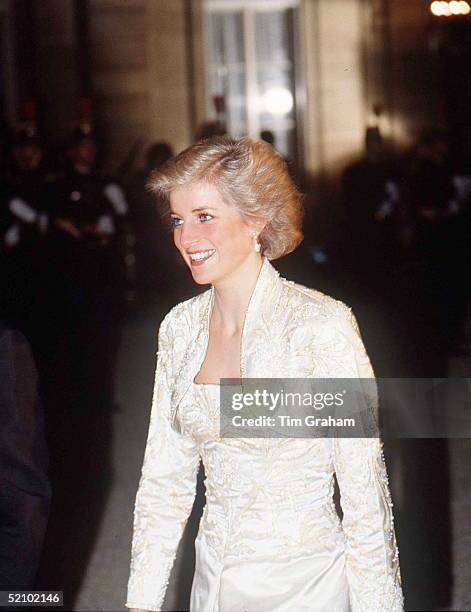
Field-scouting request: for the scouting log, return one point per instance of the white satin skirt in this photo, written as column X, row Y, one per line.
column 313, row 583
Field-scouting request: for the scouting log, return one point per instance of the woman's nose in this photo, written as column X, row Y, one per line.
column 189, row 234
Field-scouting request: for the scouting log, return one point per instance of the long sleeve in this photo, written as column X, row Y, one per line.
column 165, row 495
column 372, row 561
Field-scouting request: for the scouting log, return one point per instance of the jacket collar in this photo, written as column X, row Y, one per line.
column 261, row 307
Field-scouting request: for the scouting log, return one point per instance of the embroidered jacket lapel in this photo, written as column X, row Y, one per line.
column 256, row 331
column 195, row 351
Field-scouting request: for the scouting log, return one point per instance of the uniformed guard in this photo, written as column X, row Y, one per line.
column 25, row 224
column 87, row 213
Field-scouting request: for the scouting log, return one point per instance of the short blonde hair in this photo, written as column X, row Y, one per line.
column 251, row 176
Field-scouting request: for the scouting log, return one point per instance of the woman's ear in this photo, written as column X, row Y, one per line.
column 257, row 226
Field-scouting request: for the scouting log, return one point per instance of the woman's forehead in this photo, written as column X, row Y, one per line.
column 197, row 195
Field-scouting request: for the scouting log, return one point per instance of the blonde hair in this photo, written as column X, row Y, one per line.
column 251, row 176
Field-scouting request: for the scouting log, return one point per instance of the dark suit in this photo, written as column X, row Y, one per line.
column 25, row 491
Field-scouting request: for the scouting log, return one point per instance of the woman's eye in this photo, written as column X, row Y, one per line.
column 176, row 221
column 205, row 217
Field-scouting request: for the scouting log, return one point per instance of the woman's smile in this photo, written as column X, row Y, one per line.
column 198, row 258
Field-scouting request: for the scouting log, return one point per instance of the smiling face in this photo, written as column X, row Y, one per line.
column 212, row 237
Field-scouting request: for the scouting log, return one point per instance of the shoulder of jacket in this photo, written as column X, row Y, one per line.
column 312, row 302
column 189, row 310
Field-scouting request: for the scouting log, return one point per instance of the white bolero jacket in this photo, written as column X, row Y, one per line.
column 290, row 331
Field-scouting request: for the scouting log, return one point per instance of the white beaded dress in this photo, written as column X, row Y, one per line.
column 270, row 539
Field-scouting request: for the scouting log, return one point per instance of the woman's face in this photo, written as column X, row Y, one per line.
column 212, row 237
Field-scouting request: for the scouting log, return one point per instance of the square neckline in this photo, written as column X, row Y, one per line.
column 205, row 384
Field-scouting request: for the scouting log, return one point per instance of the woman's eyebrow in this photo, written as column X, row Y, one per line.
column 199, row 209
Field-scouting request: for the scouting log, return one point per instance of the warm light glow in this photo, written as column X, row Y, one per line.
column 436, row 8
column 447, row 9
column 277, row 101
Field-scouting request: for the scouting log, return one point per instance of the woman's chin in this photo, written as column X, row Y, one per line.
column 203, row 274
column 201, row 277
column 202, row 281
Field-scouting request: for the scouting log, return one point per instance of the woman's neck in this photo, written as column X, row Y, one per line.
column 232, row 297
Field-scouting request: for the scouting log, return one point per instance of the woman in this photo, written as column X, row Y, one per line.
column 270, row 538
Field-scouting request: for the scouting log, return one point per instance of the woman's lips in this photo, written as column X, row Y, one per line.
column 200, row 261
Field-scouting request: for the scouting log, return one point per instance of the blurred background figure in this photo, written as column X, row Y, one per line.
column 25, row 489
column 439, row 198
column 268, row 136
column 211, row 128
column 157, row 270
column 25, row 226
column 87, row 212
column 371, row 196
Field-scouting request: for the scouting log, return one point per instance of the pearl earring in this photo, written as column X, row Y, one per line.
column 257, row 246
